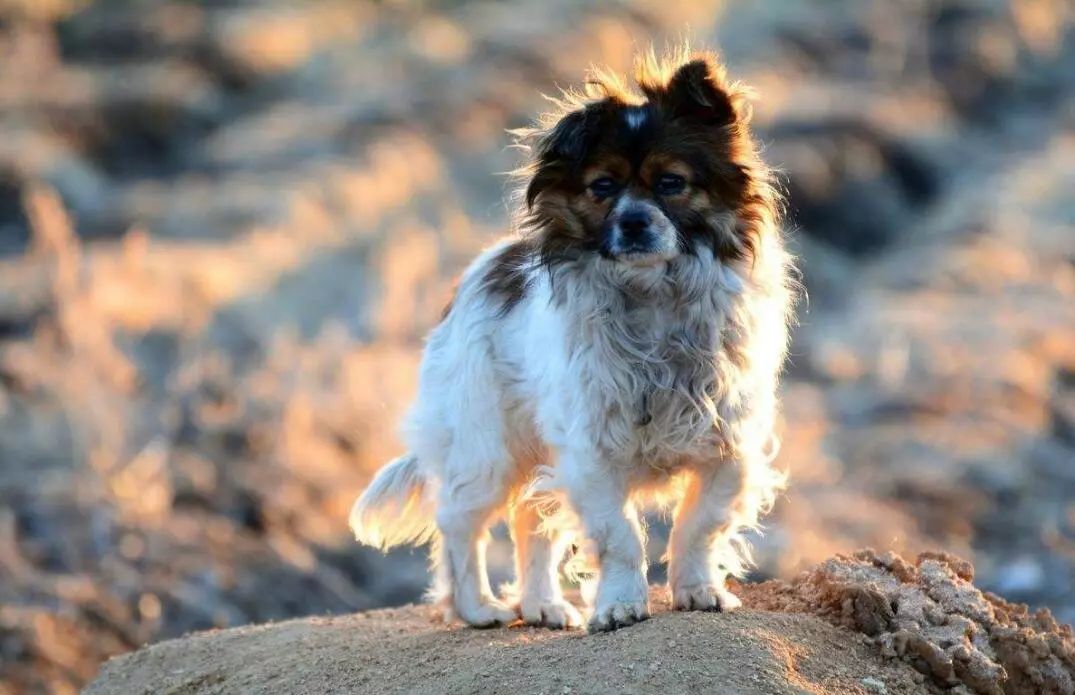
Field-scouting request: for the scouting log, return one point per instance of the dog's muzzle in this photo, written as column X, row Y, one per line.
column 640, row 232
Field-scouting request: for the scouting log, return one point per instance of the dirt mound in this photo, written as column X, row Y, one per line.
column 931, row 616
column 865, row 623
column 407, row 650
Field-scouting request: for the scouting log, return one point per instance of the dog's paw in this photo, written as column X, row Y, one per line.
column 704, row 597
column 617, row 614
column 488, row 613
column 557, row 614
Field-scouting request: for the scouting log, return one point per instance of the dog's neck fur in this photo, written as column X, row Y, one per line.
column 649, row 344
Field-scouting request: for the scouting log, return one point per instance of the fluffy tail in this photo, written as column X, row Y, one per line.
column 394, row 509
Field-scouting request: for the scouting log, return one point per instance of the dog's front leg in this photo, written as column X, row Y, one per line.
column 699, row 546
column 599, row 495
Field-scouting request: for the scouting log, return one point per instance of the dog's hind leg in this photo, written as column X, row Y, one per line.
column 538, row 553
column 474, row 489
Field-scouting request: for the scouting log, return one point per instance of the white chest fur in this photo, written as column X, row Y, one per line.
column 646, row 349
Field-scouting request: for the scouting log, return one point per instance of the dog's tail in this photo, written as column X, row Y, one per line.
column 395, row 508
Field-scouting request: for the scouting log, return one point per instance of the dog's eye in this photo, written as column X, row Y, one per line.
column 604, row 187
column 670, row 184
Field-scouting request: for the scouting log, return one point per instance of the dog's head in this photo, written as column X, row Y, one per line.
column 643, row 178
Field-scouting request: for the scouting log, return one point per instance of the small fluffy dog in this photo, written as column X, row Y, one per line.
column 625, row 346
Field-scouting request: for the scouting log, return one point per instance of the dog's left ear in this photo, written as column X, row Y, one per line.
column 697, row 91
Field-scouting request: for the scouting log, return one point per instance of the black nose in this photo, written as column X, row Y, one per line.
column 633, row 223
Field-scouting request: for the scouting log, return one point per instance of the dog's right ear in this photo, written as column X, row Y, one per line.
column 561, row 151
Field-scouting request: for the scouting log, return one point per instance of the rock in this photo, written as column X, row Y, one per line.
column 874, row 685
column 931, row 615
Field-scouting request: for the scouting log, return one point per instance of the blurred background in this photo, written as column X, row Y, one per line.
column 225, row 227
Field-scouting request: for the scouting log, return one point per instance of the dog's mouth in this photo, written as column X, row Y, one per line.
column 640, row 255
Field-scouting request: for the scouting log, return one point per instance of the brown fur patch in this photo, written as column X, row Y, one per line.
column 659, row 163
column 507, row 277
column 568, row 236
column 614, row 166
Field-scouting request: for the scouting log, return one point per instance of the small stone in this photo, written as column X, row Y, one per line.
column 874, row 685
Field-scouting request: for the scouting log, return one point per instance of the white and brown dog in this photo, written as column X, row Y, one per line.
column 624, row 345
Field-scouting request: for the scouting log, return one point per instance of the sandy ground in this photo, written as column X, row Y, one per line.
column 407, row 650
column 862, row 623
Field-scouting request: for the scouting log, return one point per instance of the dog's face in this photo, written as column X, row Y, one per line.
column 642, row 181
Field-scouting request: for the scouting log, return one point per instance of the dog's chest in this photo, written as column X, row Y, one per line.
column 653, row 376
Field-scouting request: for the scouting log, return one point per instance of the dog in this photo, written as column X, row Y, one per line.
column 623, row 346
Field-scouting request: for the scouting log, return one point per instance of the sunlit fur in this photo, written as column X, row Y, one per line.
column 570, row 384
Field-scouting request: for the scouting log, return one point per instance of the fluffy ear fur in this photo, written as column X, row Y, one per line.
column 563, row 149
column 696, row 91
